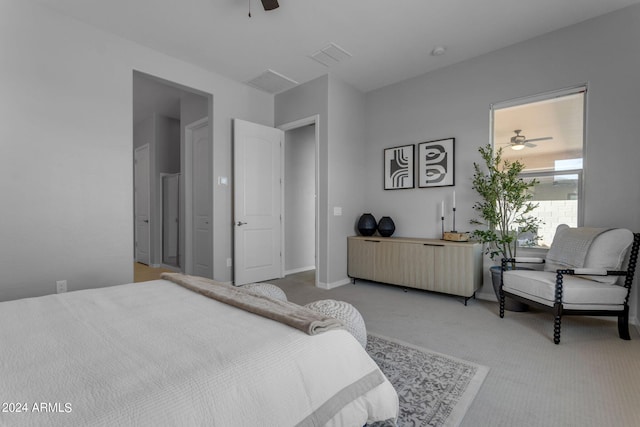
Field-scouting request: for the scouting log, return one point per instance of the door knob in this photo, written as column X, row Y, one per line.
column 239, row 223
column 146, row 220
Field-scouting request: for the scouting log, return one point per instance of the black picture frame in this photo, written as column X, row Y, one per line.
column 436, row 163
column 399, row 167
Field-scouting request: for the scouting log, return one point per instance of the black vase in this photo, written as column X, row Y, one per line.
column 386, row 227
column 367, row 224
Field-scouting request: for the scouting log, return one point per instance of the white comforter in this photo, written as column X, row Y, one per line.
column 155, row 353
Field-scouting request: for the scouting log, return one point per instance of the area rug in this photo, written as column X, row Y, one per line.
column 434, row 389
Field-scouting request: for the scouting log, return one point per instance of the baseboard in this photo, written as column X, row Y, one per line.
column 634, row 322
column 334, row 285
column 299, row 270
column 486, row 296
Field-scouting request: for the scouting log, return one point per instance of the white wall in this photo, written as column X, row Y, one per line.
column 66, row 149
column 454, row 102
column 299, row 196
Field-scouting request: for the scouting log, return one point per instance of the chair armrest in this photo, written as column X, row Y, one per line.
column 582, row 271
column 524, row 260
column 592, row 272
column 529, row 260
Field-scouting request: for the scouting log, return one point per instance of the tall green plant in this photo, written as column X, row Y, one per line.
column 505, row 208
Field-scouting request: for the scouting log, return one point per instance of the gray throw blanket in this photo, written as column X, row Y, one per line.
column 571, row 245
column 286, row 312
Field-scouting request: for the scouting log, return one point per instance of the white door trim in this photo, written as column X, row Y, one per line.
column 311, row 120
column 188, row 188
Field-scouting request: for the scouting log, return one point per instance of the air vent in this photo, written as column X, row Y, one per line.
column 272, row 82
column 331, row 54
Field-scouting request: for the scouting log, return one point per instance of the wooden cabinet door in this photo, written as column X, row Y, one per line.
column 455, row 269
column 418, row 264
column 361, row 258
column 388, row 266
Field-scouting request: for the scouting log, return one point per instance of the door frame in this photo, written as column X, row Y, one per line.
column 188, row 190
column 311, row 120
column 147, row 147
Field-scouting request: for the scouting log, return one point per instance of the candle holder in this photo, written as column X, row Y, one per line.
column 442, row 222
column 454, row 221
column 454, row 235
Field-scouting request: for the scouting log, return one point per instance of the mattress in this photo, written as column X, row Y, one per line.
column 155, row 353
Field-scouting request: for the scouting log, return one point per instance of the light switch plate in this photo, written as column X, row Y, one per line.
column 337, row 211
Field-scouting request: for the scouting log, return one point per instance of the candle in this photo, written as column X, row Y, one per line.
column 442, row 209
column 454, row 199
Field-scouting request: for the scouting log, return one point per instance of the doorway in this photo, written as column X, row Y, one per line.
column 300, row 192
column 161, row 112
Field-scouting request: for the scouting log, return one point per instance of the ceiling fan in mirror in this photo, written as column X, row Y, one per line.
column 518, row 142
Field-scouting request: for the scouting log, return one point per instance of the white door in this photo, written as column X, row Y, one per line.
column 198, row 204
column 141, row 203
column 257, row 202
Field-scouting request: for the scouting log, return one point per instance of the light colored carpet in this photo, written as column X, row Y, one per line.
column 434, row 389
column 591, row 379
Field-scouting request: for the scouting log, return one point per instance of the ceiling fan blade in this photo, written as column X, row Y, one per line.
column 539, row 139
column 270, row 4
column 530, row 145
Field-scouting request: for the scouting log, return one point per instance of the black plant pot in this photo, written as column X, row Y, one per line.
column 509, row 304
column 367, row 224
column 386, row 227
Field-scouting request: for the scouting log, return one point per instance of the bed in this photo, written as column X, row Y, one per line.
column 156, row 353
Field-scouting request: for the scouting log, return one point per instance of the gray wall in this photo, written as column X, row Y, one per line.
column 454, row 102
column 66, row 166
column 306, row 100
column 346, row 164
column 299, row 199
column 342, row 142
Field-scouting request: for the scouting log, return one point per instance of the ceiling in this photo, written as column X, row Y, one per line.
column 389, row 41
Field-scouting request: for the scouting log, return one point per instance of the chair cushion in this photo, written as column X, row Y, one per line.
column 607, row 251
column 541, row 285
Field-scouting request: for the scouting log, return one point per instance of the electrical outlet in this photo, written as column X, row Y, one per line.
column 61, row 286
column 229, row 262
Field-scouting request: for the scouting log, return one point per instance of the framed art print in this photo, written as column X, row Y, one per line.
column 399, row 167
column 436, row 163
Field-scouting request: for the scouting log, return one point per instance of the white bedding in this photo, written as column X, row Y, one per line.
column 155, row 353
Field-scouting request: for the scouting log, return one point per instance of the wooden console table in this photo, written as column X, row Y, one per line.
column 430, row 264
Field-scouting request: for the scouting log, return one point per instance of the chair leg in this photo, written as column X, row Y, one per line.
column 623, row 324
column 556, row 329
column 501, row 304
column 557, row 322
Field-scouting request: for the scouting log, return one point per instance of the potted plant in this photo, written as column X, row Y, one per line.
column 505, row 211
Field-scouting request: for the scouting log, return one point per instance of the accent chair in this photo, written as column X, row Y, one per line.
column 587, row 271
